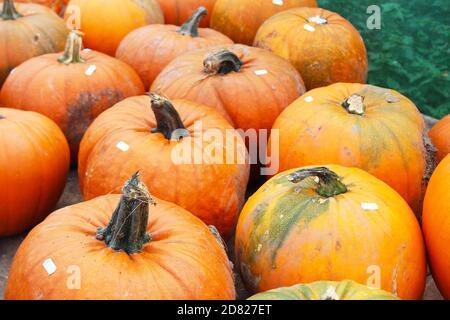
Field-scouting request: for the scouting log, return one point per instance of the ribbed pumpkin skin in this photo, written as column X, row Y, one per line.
column 262, row 97
column 440, row 134
column 66, row 94
column 150, row 49
column 55, row 5
column 178, row 11
column 287, row 234
column 322, row 53
column 241, row 19
column 182, row 261
column 325, row 290
column 38, row 32
column 436, row 225
column 33, row 169
column 106, row 22
column 387, row 141
column 213, row 192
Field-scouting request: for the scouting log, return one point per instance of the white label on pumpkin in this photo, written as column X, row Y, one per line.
column 309, row 27
column 123, row 146
column 278, row 2
column 90, row 70
column 261, row 72
column 369, row 206
column 87, row 50
column 49, row 266
column 309, row 99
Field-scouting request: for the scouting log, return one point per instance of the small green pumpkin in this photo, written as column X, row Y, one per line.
column 326, row 290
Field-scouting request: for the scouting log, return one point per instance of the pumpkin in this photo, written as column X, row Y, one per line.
column 436, row 225
column 55, row 5
column 231, row 79
column 27, row 30
column 325, row 290
column 324, row 47
column 440, row 135
column 71, row 88
column 178, row 11
column 33, row 169
column 357, row 125
column 121, row 247
column 330, row 223
column 185, row 151
column 241, row 19
column 149, row 49
column 107, row 22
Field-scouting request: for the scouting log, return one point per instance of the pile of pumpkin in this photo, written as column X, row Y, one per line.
column 343, row 211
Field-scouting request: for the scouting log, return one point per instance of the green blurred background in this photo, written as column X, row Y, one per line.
column 410, row 53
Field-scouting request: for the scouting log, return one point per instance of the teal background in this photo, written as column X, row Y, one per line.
column 410, row 53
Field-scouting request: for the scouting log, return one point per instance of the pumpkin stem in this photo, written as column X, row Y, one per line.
column 168, row 121
column 355, row 104
column 222, row 62
column 190, row 27
column 127, row 229
column 328, row 182
column 72, row 52
column 9, row 11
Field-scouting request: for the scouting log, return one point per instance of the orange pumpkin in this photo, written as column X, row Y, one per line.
column 232, row 79
column 178, row 11
column 440, row 134
column 358, row 125
column 324, row 47
column 149, row 49
column 107, row 22
column 72, row 89
column 330, row 223
column 162, row 252
column 33, row 168
column 26, row 31
column 241, row 19
column 436, row 225
column 55, row 5
column 174, row 149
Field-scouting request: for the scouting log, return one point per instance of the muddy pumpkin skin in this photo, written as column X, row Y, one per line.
column 436, row 225
column 107, row 22
column 151, row 48
column 291, row 233
column 178, row 259
column 440, row 134
column 241, row 19
column 324, row 47
column 36, row 30
column 71, row 88
column 120, row 142
column 325, row 290
column 252, row 79
column 387, row 139
column 176, row 12
column 33, row 169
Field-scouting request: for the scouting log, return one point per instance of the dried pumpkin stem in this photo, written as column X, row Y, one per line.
column 328, row 185
column 355, row 104
column 168, row 121
column 127, row 230
column 190, row 27
column 72, row 52
column 222, row 62
column 9, row 11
